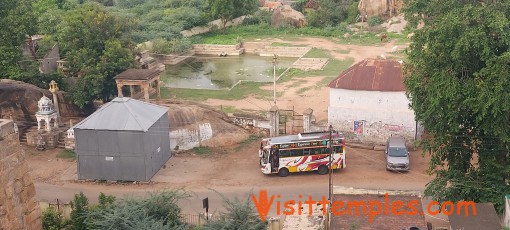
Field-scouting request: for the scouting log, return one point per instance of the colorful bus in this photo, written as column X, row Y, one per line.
column 301, row 152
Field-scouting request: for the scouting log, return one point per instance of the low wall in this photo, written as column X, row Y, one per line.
column 50, row 139
column 284, row 51
column 247, row 122
column 185, row 139
column 373, row 132
column 173, row 59
column 207, row 49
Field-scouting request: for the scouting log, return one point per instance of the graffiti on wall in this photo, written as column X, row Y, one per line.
column 184, row 139
column 358, row 127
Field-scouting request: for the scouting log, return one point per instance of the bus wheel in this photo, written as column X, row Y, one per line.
column 323, row 169
column 283, row 172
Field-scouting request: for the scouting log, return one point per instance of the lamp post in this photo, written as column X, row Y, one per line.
column 275, row 61
column 330, row 188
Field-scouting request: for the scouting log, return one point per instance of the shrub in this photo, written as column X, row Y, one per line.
column 239, row 215
column 374, row 21
column 162, row 46
column 52, row 219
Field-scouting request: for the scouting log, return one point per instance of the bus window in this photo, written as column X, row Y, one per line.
column 324, row 150
column 284, row 153
column 307, row 152
column 338, row 149
column 297, row 152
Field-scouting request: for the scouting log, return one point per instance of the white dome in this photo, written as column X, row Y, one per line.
column 45, row 105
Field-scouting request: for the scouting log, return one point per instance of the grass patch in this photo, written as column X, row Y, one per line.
column 332, row 69
column 340, row 51
column 67, row 154
column 239, row 92
column 281, row 44
column 260, row 31
column 317, row 53
column 371, row 38
column 302, row 90
column 202, row 150
column 252, row 138
column 229, row 109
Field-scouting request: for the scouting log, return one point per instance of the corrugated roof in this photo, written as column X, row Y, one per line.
column 372, row 75
column 137, row 74
column 123, row 114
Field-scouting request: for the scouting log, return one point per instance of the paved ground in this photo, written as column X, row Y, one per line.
column 230, row 173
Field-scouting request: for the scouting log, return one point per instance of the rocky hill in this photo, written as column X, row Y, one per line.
column 19, row 100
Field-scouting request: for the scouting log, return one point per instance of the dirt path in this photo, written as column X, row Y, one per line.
column 228, row 168
column 316, row 98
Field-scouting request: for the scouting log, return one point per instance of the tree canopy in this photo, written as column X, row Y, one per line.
column 98, row 46
column 17, row 22
column 227, row 10
column 457, row 78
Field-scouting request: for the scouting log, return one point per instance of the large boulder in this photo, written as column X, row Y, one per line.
column 382, row 8
column 214, row 126
column 19, row 101
column 287, row 16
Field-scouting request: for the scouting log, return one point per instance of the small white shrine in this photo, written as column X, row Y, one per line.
column 46, row 113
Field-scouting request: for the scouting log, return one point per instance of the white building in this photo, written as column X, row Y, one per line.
column 369, row 100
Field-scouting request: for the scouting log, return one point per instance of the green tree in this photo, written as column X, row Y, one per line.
column 80, row 208
column 227, row 10
column 16, row 18
column 330, row 13
column 457, row 78
column 98, row 46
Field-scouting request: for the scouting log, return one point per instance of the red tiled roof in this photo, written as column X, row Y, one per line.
column 371, row 74
column 381, row 221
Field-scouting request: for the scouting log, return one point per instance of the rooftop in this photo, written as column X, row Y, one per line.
column 123, row 114
column 137, row 74
column 485, row 218
column 381, row 221
column 371, row 75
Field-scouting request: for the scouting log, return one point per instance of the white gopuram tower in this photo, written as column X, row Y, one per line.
column 46, row 113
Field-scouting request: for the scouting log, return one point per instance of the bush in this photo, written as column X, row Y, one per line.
column 374, row 21
column 352, row 12
column 239, row 215
column 174, row 46
column 52, row 219
column 159, row 211
column 67, row 154
column 259, row 17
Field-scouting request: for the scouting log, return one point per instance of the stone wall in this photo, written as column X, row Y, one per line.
column 18, row 206
column 206, row 49
column 188, row 138
column 50, row 139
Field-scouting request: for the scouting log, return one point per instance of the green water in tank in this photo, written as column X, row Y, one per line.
column 213, row 72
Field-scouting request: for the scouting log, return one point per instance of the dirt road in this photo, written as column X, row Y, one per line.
column 233, row 174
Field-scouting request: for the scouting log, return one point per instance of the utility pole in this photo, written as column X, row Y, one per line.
column 275, row 61
column 330, row 173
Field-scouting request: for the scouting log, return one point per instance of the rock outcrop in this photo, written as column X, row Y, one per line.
column 19, row 100
column 382, row 8
column 287, row 16
column 193, row 124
